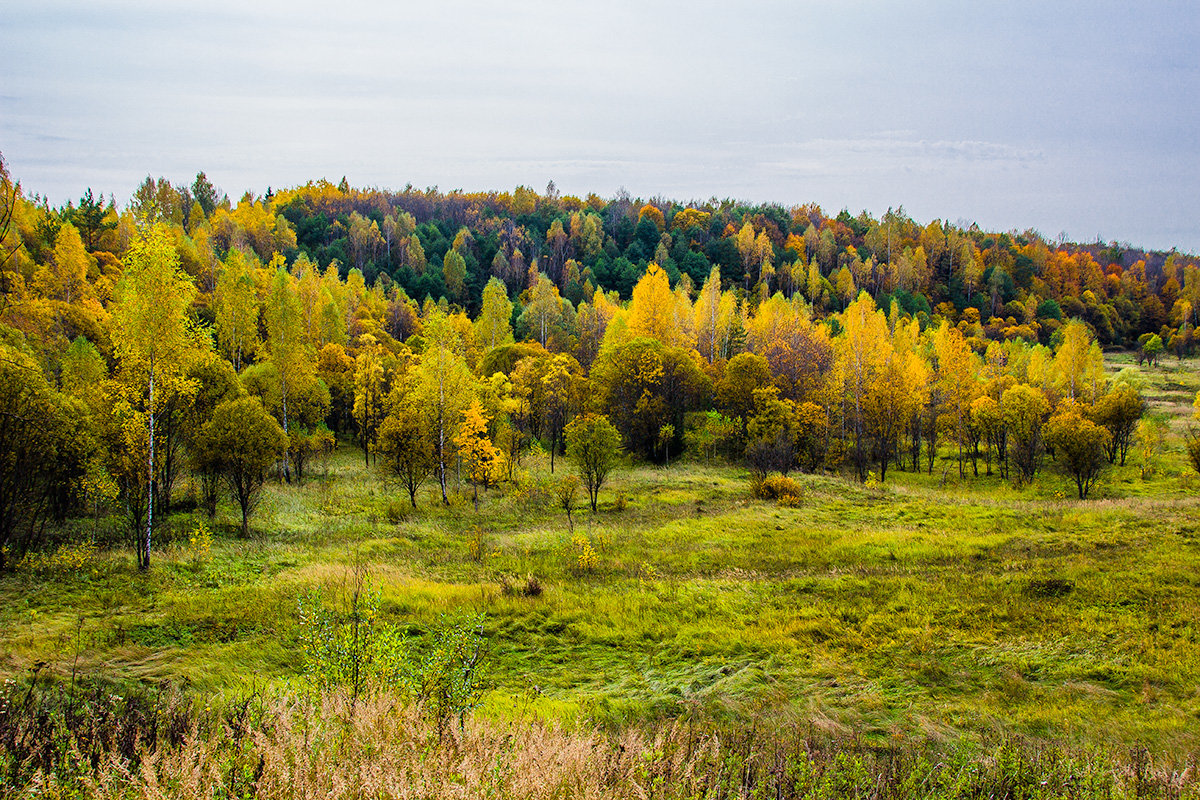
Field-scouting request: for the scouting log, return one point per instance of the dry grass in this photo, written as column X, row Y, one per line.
column 292, row 748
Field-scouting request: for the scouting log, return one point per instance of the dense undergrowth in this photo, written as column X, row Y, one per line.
column 94, row 744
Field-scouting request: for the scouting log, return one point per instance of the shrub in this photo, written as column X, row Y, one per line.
column 476, row 544
column 396, row 513
column 199, row 542
column 67, row 559
column 1050, row 587
column 584, row 555
column 533, row 587
column 352, row 650
column 789, row 501
column 1193, row 449
column 777, row 487
column 528, row 492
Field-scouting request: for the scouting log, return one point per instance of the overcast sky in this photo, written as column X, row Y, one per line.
column 1075, row 117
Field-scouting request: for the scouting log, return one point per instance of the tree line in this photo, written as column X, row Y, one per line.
column 446, row 334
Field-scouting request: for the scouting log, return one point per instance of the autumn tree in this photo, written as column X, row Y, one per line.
column 895, row 394
column 493, row 326
column 236, row 311
column 64, row 276
column 414, row 255
column 370, row 391
column 406, row 446
column 308, row 404
column 1080, row 448
column 958, row 386
column 644, row 385
column 564, row 494
column 543, row 315
column 243, row 440
column 593, row 445
column 987, row 419
column 442, row 387
column 529, row 395
column 562, row 390
column 476, row 449
column 365, row 240
column 285, row 340
column 1079, row 364
column 336, row 368
column 175, row 423
column 454, row 274
column 651, row 311
column 714, row 318
column 1119, row 412
column 215, row 383
column 1024, row 411
column 798, row 351
column 1150, row 347
column 861, row 350
column 771, row 445
column 82, row 369
column 44, row 448
column 745, row 373
column 152, row 335
column 810, row 435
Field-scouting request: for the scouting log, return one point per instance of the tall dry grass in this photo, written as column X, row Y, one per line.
column 291, row 747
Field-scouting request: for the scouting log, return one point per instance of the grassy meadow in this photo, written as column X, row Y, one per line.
column 926, row 608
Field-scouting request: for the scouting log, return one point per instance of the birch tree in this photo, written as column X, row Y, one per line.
column 152, row 336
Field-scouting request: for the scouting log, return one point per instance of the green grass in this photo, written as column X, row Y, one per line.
column 930, row 607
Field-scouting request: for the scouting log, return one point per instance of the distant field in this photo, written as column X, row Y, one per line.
column 928, row 607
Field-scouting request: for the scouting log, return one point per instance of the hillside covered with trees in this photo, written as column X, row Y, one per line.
column 786, row 337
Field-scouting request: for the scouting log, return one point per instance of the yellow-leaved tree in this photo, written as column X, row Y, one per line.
column 1079, row 363
column 714, row 317
column 652, row 308
column 861, row 350
column 493, row 326
column 480, row 456
column 957, row 383
column 442, row 387
column 294, row 367
column 236, row 310
column 370, row 390
column 153, row 337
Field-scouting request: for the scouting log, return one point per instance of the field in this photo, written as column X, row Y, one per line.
column 928, row 608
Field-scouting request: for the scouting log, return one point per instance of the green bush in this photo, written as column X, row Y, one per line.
column 354, row 651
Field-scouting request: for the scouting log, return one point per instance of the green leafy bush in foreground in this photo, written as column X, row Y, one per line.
column 352, row 651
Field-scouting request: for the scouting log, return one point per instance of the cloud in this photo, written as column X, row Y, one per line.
column 885, row 152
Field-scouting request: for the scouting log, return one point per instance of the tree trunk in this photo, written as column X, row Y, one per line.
column 144, row 556
column 287, row 472
column 441, row 467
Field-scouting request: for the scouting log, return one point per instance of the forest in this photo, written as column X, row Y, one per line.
column 231, row 432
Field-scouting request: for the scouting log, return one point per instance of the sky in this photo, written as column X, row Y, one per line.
column 1075, row 118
